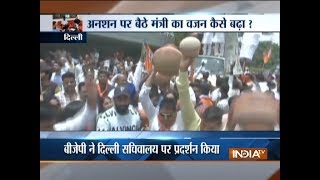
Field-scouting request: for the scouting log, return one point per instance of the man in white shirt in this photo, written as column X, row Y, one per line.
column 221, row 92
column 218, row 40
column 207, row 43
column 64, row 65
column 199, row 70
column 223, row 105
column 164, row 118
column 216, row 94
column 262, row 83
column 234, row 86
column 273, row 88
column 168, row 118
column 122, row 116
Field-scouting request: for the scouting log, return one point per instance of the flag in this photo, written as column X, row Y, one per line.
column 267, row 56
column 148, row 58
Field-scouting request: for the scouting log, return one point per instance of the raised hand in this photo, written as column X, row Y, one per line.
column 143, row 52
column 150, row 80
column 185, row 63
column 91, row 87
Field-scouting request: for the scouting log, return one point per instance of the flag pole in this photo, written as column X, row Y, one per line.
column 244, row 65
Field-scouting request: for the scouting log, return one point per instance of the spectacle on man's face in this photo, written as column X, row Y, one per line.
column 167, row 115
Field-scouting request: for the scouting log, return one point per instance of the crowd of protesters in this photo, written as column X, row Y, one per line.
column 90, row 93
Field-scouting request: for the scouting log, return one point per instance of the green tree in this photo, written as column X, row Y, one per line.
column 257, row 61
column 179, row 36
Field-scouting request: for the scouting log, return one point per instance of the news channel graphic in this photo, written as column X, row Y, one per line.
column 67, row 23
column 182, row 23
column 161, row 23
column 63, row 37
column 145, row 146
column 186, row 23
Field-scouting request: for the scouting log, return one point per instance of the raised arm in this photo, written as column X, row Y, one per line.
column 189, row 115
column 114, row 79
column 230, row 79
column 144, row 98
column 198, row 71
column 85, row 118
column 137, row 76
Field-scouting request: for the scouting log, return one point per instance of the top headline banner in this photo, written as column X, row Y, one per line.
column 181, row 23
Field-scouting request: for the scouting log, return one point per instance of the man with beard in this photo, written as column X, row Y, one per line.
column 121, row 117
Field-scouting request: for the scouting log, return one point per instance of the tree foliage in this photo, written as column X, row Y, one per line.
column 179, row 36
column 257, row 61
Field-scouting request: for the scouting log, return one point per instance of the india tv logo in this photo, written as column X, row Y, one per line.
column 248, row 154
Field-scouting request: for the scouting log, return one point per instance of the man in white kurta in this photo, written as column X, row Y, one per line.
column 207, row 43
column 218, row 40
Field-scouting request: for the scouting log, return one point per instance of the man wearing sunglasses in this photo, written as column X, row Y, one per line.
column 166, row 117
